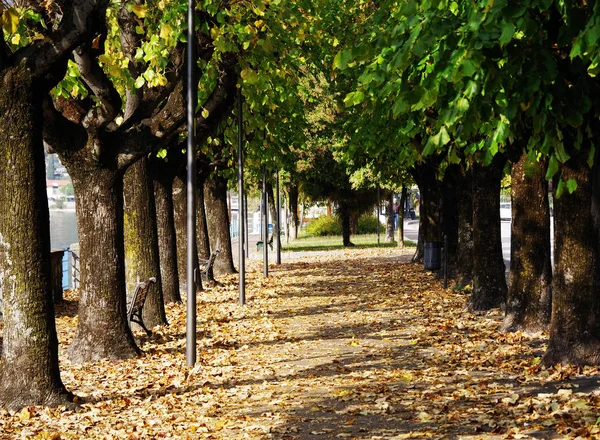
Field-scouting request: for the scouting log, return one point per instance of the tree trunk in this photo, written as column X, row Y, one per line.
column 403, row 198
column 202, row 237
column 167, row 240
column 344, row 213
column 102, row 329
column 215, row 197
column 141, row 241
column 489, row 279
column 529, row 300
column 575, row 323
column 389, row 210
column 450, row 190
column 464, row 252
column 272, row 202
column 180, row 219
column 430, row 204
column 29, row 370
column 293, row 198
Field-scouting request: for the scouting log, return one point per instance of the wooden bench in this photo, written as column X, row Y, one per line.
column 207, row 265
column 134, row 312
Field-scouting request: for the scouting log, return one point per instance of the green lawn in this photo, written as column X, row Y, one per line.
column 304, row 243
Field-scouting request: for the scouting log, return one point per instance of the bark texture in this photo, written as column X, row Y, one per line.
column 141, row 241
column 167, row 240
column 344, row 213
column 389, row 210
column 29, row 372
column 489, row 279
column 529, row 300
column 403, row 199
column 102, row 330
column 450, row 194
column 215, row 197
column 293, row 198
column 430, row 231
column 202, row 237
column 464, row 251
column 575, row 323
column 180, row 216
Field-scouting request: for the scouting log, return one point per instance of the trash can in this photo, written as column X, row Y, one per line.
column 432, row 255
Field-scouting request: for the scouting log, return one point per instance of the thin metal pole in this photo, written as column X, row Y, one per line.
column 191, row 190
column 242, row 216
column 278, row 220
column 378, row 222
column 265, row 214
column 246, row 224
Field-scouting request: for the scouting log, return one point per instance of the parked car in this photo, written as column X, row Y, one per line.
column 505, row 211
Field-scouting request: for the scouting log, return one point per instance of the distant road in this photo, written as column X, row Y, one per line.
column 411, row 231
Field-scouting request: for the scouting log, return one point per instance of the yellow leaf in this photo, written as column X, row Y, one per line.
column 10, row 20
column 165, row 31
column 16, row 39
column 221, row 424
column 139, row 10
column 24, row 414
column 205, row 113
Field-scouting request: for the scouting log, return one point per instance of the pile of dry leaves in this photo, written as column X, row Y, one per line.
column 357, row 345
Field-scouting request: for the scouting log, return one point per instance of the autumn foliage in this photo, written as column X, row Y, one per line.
column 355, row 344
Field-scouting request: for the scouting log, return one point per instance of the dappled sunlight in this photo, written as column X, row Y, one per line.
column 355, row 345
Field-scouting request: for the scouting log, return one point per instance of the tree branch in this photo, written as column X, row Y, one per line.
column 100, row 85
column 62, row 129
column 81, row 20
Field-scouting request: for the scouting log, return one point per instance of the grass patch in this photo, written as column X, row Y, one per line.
column 304, row 243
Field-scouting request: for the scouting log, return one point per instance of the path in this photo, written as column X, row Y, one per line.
column 358, row 345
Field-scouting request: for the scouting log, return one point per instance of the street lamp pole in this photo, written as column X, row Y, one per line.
column 241, row 210
column 192, row 91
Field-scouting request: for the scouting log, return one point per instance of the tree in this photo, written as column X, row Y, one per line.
column 141, row 240
column 529, row 301
column 29, row 68
column 163, row 174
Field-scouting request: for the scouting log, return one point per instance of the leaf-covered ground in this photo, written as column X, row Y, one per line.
column 357, row 344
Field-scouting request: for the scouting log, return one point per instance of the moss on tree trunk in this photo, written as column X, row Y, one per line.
column 29, row 369
column 217, row 218
column 141, row 241
column 489, row 280
column 529, row 300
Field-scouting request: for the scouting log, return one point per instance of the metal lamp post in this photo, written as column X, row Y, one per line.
column 191, row 190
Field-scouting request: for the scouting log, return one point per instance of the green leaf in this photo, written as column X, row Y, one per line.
column 571, row 185
column 561, row 153
column 468, row 67
column 342, row 59
column 552, row 167
column 592, row 155
column 139, row 82
column 508, row 30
